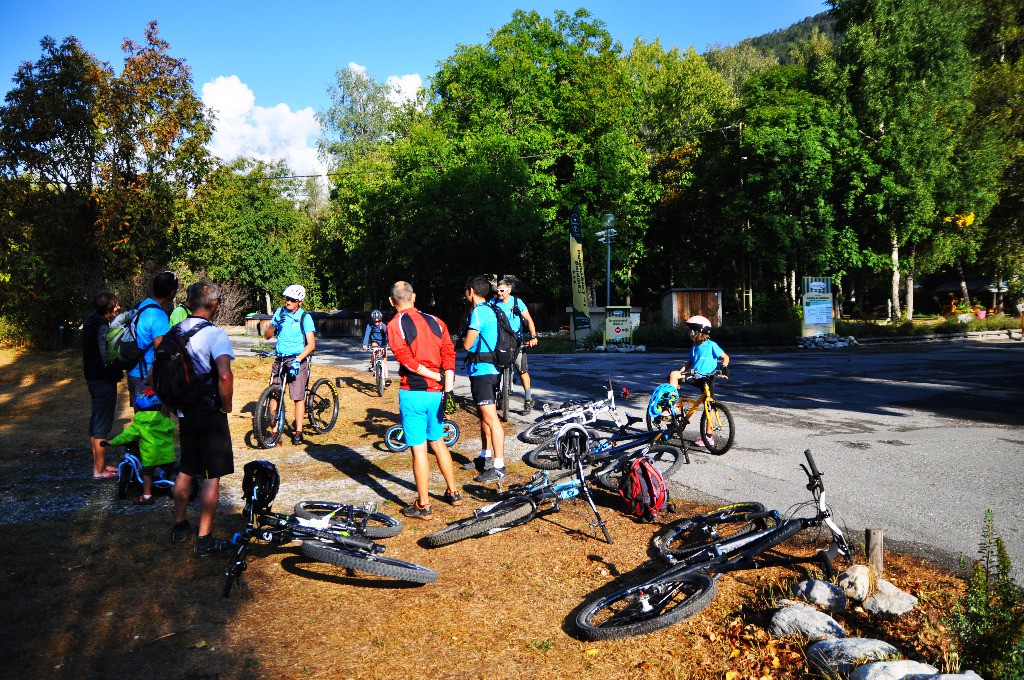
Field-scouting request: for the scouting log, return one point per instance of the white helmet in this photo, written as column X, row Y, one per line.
column 698, row 324
column 295, row 292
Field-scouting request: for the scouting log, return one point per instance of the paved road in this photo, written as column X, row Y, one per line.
column 918, row 440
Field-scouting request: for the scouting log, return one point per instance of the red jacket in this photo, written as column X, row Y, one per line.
column 419, row 339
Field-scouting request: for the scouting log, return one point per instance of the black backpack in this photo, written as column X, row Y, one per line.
column 508, row 345
column 173, row 374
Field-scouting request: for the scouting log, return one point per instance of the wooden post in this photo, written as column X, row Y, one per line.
column 874, row 548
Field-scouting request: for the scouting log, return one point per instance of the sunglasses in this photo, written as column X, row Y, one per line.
column 288, row 299
column 503, row 290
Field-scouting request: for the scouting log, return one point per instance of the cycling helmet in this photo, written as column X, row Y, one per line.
column 698, row 324
column 571, row 443
column 147, row 399
column 376, row 315
column 295, row 292
column 260, row 483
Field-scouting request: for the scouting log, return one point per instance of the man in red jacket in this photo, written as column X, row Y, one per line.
column 426, row 365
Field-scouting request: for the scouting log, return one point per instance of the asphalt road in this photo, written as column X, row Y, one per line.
column 915, row 439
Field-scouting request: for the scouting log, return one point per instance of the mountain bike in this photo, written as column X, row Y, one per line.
column 378, row 368
column 586, row 413
column 268, row 419
column 503, row 390
column 521, row 503
column 335, row 533
column 717, row 431
column 394, row 438
column 699, row 550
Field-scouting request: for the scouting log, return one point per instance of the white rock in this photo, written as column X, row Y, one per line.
column 843, row 655
column 806, row 622
column 891, row 670
column 822, row 593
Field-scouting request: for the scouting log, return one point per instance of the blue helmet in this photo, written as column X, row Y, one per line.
column 147, row 400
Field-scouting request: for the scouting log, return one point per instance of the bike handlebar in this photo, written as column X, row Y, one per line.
column 263, row 353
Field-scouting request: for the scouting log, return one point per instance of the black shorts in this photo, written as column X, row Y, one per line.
column 104, row 404
column 206, row 445
column 484, row 388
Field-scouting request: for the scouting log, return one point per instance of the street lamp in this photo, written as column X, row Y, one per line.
column 605, row 236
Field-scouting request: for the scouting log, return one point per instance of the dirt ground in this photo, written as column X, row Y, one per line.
column 93, row 588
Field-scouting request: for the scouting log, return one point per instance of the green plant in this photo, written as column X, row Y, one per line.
column 988, row 621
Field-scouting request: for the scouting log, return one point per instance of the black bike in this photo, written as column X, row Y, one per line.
column 268, row 419
column 335, row 533
column 699, row 550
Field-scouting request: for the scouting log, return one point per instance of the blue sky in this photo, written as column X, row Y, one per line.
column 265, row 66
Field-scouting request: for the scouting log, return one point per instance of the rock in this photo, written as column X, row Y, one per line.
column 858, row 582
column 889, row 600
column 843, row 655
column 805, row 622
column 891, row 670
column 822, row 593
column 966, row 675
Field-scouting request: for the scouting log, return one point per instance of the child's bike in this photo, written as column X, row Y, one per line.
column 522, row 503
column 551, row 421
column 377, row 367
column 129, row 473
column 717, row 432
column 394, row 438
column 335, row 533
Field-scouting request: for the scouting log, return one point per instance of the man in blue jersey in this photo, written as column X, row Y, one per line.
column 151, row 324
column 522, row 323
column 296, row 336
column 480, row 339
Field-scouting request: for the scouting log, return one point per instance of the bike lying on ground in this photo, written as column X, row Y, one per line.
column 394, row 438
column 268, row 419
column 717, row 432
column 522, row 502
column 330, row 532
column 699, row 550
column 585, row 413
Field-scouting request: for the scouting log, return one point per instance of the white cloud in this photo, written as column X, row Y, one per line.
column 268, row 134
column 405, row 86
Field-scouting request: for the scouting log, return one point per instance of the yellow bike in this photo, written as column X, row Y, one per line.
column 670, row 410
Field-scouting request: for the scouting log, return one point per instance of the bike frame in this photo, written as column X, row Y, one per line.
column 586, row 412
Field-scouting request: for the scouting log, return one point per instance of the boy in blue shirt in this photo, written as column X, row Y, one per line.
column 480, row 340
column 376, row 335
column 703, row 361
column 296, row 335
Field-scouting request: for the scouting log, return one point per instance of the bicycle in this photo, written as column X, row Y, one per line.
column 378, row 367
column 699, row 550
column 503, row 393
column 268, row 419
column 335, row 533
column 585, row 413
column 521, row 503
column 129, row 472
column 716, row 424
column 394, row 438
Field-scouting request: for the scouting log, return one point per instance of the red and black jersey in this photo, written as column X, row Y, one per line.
column 419, row 339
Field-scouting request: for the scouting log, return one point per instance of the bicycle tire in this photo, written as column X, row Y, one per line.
column 504, row 513
column 124, row 479
column 665, row 457
column 378, row 377
column 543, row 456
column 378, row 525
column 394, row 438
column 504, row 393
column 360, row 560
column 264, row 417
column 322, row 405
column 686, row 537
column 621, row 614
column 723, row 429
column 451, row 432
column 543, row 431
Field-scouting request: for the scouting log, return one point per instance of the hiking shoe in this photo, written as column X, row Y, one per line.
column 491, row 475
column 527, row 407
column 453, row 498
column 181, row 531
column 142, row 500
column 208, row 545
column 418, row 511
column 479, row 464
column 297, row 438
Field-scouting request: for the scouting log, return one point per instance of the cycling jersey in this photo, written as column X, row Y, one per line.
column 376, row 333
column 292, row 329
column 704, row 357
column 483, row 321
column 513, row 308
column 419, row 339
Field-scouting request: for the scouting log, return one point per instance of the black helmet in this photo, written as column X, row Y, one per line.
column 376, row 315
column 571, row 443
column 260, row 483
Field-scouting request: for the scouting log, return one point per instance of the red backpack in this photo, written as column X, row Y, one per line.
column 644, row 489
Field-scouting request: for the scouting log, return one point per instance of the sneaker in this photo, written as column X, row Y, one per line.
column 479, row 464
column 181, row 531
column 491, row 475
column 143, row 500
column 297, row 438
column 698, row 442
column 527, row 407
column 453, row 498
column 711, row 440
column 208, row 545
column 417, row 511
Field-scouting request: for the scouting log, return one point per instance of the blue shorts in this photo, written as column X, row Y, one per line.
column 421, row 416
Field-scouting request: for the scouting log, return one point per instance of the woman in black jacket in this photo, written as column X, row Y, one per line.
column 101, row 379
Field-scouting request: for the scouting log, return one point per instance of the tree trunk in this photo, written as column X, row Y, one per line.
column 963, row 282
column 791, row 285
column 910, row 294
column 266, row 301
column 895, row 290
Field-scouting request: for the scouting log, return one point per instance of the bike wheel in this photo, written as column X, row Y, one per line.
column 646, row 607
column 501, row 515
column 687, row 537
column 124, row 479
column 543, row 457
column 394, row 438
column 504, row 393
column 266, row 415
column 378, row 376
column 542, row 431
column 378, row 525
column 322, row 405
column 451, row 432
column 720, row 427
column 360, row 560
column 666, row 458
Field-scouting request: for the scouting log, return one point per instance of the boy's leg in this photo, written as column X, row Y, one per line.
column 147, row 485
